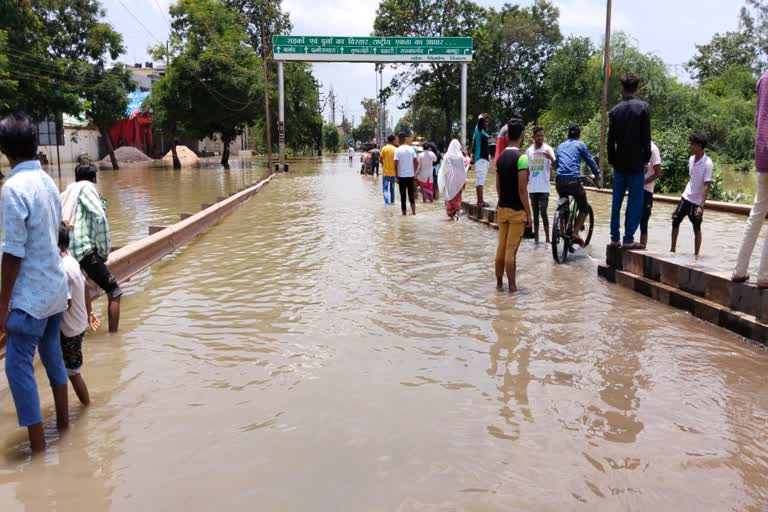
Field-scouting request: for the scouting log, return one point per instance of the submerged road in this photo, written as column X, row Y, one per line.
column 318, row 351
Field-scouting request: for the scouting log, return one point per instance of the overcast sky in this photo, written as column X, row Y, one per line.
column 668, row 28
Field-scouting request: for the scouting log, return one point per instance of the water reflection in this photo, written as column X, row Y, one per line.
column 318, row 351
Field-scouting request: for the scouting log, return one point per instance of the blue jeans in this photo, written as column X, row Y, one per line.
column 388, row 185
column 25, row 335
column 634, row 184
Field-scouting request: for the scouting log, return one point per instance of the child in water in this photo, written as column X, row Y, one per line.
column 76, row 319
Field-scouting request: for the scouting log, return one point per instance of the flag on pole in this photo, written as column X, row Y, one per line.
column 605, row 71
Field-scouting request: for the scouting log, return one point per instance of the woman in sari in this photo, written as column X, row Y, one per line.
column 451, row 180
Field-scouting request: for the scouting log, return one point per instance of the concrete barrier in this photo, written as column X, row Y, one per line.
column 137, row 256
column 704, row 293
column 718, row 206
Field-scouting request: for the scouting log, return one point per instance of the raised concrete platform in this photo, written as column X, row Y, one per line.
column 704, row 292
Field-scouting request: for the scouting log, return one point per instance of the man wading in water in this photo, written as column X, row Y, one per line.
column 514, row 211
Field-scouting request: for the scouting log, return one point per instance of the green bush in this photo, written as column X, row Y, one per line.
column 740, row 143
column 673, row 147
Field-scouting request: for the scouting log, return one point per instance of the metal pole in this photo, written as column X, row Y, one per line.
column 281, row 114
column 463, row 105
column 604, row 111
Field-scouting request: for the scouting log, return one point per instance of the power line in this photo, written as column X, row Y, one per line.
column 163, row 13
column 139, row 22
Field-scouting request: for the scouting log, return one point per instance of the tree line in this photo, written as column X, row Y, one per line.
column 523, row 63
column 59, row 57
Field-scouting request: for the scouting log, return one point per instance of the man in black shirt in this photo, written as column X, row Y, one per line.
column 514, row 210
column 629, row 151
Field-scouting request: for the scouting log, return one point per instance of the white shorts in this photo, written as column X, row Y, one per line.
column 481, row 168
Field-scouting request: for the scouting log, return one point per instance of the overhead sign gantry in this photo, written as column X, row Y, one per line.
column 369, row 49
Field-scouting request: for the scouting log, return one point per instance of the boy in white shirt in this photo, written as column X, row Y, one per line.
column 76, row 319
column 540, row 159
column 700, row 169
column 652, row 173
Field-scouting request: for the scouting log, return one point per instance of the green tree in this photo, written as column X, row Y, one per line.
column 107, row 100
column 214, row 72
column 331, row 139
column 438, row 85
column 366, row 130
column 304, row 123
column 51, row 47
column 722, row 52
column 570, row 82
column 513, row 50
column 264, row 19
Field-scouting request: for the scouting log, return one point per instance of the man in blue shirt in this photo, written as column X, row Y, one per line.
column 33, row 287
column 569, row 156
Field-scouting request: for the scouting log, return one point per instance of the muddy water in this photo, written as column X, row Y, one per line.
column 318, row 351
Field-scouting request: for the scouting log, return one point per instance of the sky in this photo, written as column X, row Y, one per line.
column 667, row 28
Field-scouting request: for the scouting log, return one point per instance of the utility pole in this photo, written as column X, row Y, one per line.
column 265, row 68
column 606, row 68
column 333, row 106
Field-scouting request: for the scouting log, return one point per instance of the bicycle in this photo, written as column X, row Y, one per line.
column 562, row 225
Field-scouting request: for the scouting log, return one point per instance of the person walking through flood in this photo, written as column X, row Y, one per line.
column 350, row 155
column 389, row 175
column 513, row 214
column 760, row 208
column 426, row 160
column 85, row 212
column 541, row 158
column 405, row 167
column 481, row 156
column 452, row 178
column 76, row 319
column 33, row 287
column 375, row 158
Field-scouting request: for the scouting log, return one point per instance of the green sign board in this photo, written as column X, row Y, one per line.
column 372, row 49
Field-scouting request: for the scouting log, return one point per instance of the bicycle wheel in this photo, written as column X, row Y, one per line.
column 559, row 237
column 589, row 225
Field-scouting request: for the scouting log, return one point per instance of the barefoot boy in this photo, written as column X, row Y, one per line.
column 691, row 205
column 75, row 319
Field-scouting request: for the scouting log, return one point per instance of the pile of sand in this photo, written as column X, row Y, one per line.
column 126, row 155
column 186, row 156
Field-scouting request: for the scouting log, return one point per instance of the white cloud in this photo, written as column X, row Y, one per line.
column 579, row 16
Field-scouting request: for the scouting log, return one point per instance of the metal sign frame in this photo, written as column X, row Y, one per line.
column 402, row 50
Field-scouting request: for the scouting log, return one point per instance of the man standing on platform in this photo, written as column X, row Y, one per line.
column 33, row 287
column 629, row 150
column 760, row 209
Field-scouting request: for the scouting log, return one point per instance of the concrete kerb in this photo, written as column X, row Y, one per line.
column 720, row 206
column 137, row 256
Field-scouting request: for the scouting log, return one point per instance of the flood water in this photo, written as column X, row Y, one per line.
column 317, row 351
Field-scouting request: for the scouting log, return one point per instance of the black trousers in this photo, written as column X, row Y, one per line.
column 407, row 185
column 539, row 204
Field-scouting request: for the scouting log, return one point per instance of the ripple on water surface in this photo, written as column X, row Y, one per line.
column 318, row 350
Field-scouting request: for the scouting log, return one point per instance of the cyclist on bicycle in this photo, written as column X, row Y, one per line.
column 568, row 182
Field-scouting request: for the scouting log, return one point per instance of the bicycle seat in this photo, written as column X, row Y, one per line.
column 562, row 201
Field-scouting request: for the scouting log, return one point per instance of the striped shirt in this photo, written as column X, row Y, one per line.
column 761, row 125
column 91, row 229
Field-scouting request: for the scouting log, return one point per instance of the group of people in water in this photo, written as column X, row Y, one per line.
column 523, row 179
column 50, row 242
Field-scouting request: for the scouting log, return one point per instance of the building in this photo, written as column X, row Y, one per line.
column 145, row 75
